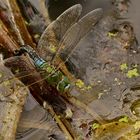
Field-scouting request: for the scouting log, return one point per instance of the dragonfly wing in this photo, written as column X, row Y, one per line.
column 48, row 43
column 77, row 32
column 69, row 43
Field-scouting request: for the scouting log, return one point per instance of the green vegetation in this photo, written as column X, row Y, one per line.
column 124, row 119
column 95, row 125
column 80, row 84
column 132, row 73
column 123, row 66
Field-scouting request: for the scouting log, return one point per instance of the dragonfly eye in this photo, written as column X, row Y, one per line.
column 19, row 52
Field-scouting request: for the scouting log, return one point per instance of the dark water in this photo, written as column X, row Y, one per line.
column 56, row 7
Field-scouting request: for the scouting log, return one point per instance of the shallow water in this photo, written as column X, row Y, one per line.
column 57, row 7
column 110, row 105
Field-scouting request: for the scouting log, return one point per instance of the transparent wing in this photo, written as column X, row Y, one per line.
column 48, row 43
column 72, row 37
column 77, row 32
column 70, row 40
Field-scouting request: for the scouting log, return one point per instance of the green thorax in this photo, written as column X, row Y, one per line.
column 55, row 77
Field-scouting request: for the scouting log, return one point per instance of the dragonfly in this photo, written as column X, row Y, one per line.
column 59, row 38
column 49, row 53
column 57, row 78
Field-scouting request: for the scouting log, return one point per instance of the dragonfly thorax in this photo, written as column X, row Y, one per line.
column 55, row 77
column 52, row 75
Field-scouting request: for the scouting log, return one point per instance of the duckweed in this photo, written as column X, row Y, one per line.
column 112, row 34
column 49, row 69
column 79, row 83
column 124, row 119
column 95, row 125
column 123, row 66
column 132, row 73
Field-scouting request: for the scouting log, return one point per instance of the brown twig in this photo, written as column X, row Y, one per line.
column 15, row 23
column 58, row 120
column 5, row 40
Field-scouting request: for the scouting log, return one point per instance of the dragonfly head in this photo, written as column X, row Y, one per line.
column 24, row 49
